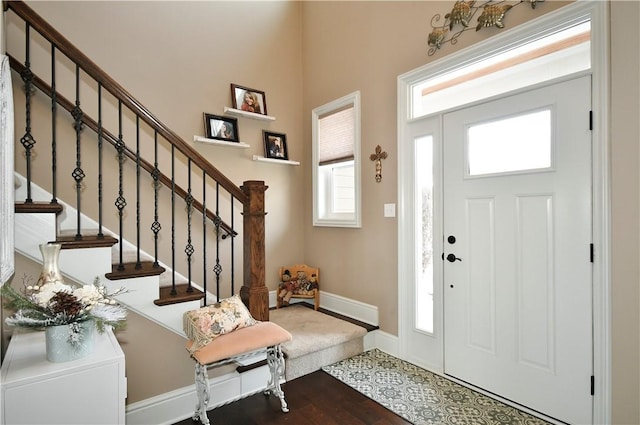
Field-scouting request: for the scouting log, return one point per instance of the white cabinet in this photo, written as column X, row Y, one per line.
column 91, row 390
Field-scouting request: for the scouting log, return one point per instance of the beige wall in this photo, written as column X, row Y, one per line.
column 625, row 198
column 368, row 46
column 179, row 59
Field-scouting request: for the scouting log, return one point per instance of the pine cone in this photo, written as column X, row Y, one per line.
column 64, row 302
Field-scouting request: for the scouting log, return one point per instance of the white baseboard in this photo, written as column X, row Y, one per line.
column 386, row 342
column 178, row 405
column 363, row 312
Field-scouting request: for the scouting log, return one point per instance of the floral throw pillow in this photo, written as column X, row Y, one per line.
column 205, row 324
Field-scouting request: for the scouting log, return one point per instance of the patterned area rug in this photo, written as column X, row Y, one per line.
column 420, row 396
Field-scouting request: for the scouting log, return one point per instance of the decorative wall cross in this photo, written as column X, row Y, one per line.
column 378, row 157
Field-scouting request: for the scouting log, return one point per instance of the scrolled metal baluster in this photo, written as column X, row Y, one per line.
column 27, row 140
column 233, row 268
column 100, row 141
column 189, row 250
column 217, row 268
column 121, row 202
column 138, row 263
column 204, row 236
column 54, row 114
column 155, row 226
column 78, row 174
column 173, row 221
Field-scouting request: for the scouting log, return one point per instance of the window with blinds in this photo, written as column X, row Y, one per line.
column 336, row 163
column 336, row 133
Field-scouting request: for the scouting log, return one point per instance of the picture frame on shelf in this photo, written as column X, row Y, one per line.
column 221, row 128
column 275, row 145
column 248, row 99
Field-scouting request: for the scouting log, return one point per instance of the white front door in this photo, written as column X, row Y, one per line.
column 517, row 242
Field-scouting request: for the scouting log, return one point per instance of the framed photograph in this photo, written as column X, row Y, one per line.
column 275, row 145
column 249, row 100
column 221, row 128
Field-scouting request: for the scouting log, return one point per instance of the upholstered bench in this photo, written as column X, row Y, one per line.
column 237, row 336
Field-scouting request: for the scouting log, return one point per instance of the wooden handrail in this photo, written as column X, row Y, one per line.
column 112, row 139
column 254, row 291
column 95, row 72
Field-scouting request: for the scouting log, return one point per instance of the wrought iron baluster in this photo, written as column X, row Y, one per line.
column 189, row 250
column 173, row 221
column 78, row 174
column 217, row 269
column 121, row 202
column 155, row 226
column 54, row 114
column 27, row 141
column 233, row 268
column 138, row 263
column 204, row 235
column 100, row 140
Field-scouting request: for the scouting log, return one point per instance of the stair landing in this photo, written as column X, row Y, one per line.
column 318, row 340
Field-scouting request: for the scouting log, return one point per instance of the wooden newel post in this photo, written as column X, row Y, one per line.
column 254, row 292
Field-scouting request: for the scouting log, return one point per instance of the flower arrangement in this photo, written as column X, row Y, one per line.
column 56, row 303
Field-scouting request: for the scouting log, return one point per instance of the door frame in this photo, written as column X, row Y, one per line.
column 598, row 14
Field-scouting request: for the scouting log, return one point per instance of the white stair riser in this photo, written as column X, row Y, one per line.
column 31, row 230
column 83, row 265
column 86, row 264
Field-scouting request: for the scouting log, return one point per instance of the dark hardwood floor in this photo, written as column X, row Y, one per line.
column 313, row 399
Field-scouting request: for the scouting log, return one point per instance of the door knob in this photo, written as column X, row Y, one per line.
column 451, row 258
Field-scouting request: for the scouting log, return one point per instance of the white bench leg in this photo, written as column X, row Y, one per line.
column 202, row 389
column 275, row 360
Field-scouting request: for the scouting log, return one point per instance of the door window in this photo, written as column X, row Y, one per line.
column 509, row 145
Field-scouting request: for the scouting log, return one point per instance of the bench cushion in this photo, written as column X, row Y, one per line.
column 204, row 324
column 240, row 341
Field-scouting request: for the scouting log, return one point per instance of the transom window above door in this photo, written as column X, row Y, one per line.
column 552, row 56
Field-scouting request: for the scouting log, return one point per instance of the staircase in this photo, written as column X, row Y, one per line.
column 141, row 207
column 84, row 264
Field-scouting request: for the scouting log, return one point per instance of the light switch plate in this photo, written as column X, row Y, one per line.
column 389, row 210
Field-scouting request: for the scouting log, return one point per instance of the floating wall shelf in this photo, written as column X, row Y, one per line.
column 220, row 142
column 274, row 161
column 252, row 115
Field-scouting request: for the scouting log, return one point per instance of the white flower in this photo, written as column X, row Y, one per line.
column 48, row 290
column 88, row 294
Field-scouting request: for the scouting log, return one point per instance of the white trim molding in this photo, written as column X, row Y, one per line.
column 175, row 406
column 597, row 12
column 357, row 310
column 7, row 190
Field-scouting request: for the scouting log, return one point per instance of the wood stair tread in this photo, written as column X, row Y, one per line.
column 130, row 270
column 183, row 294
column 37, row 207
column 86, row 241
